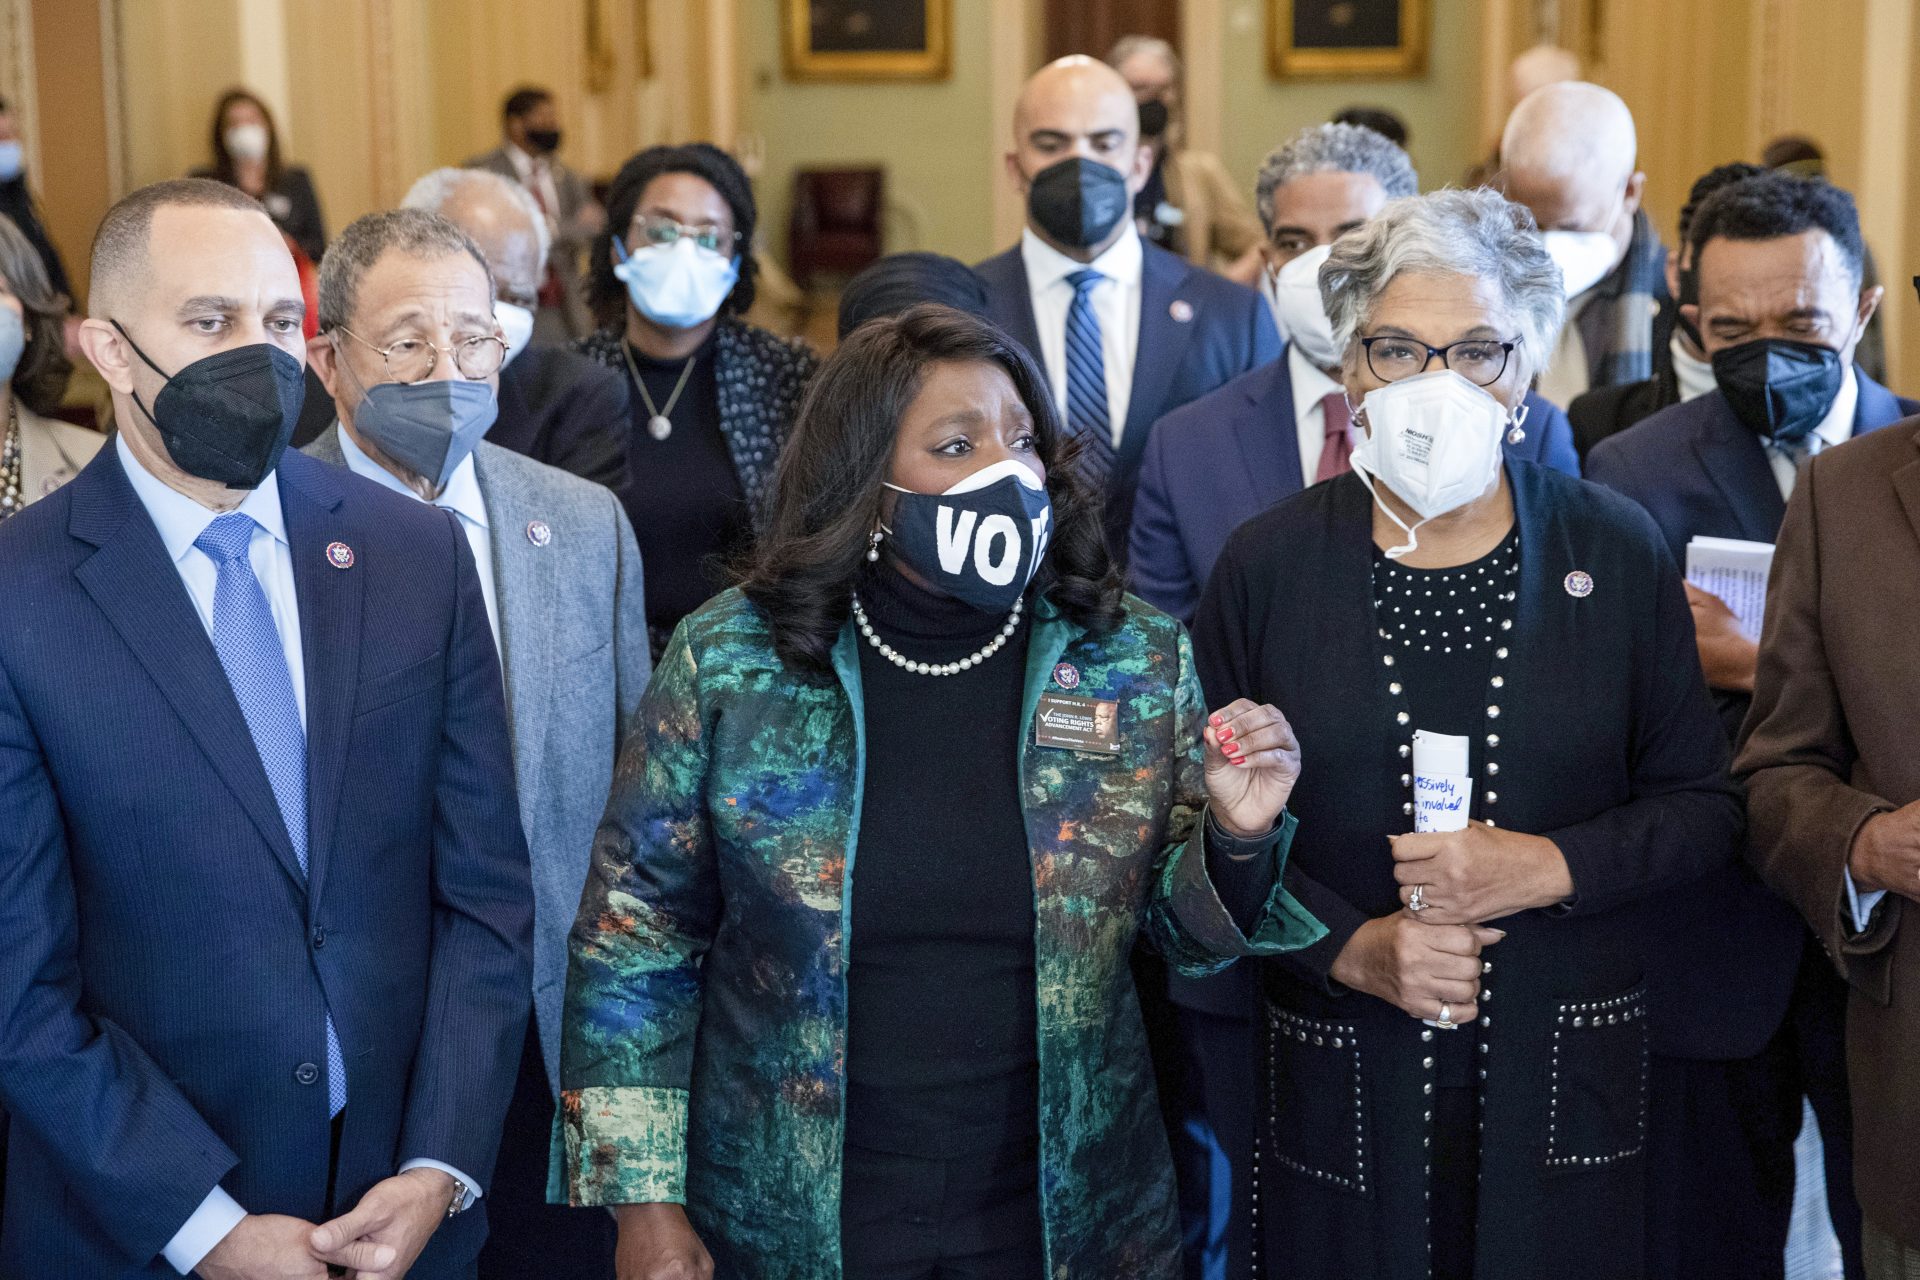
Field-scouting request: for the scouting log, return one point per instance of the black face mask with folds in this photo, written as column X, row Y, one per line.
column 1078, row 202
column 1780, row 389
column 1154, row 119
column 543, row 141
column 226, row 418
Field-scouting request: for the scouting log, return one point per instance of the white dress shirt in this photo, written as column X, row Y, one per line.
column 1116, row 304
column 462, row 496
column 537, row 177
column 1692, row 376
column 1310, row 388
column 180, row 520
column 1835, row 428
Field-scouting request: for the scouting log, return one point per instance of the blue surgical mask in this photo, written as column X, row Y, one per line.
column 678, row 285
column 13, row 341
column 427, row 427
column 13, row 160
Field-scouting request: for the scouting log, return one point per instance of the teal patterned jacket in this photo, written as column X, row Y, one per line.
column 705, row 1044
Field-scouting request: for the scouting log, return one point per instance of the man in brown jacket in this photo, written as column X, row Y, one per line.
column 1832, row 763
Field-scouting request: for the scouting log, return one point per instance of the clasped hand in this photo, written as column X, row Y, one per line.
column 1478, row 873
column 379, row 1239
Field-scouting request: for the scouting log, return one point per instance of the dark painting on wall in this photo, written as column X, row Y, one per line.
column 1347, row 37
column 867, row 39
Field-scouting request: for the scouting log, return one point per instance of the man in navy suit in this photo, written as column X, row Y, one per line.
column 265, row 919
column 1126, row 331
column 1214, row 464
column 1781, row 309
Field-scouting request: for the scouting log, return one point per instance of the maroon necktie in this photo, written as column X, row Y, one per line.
column 1336, row 453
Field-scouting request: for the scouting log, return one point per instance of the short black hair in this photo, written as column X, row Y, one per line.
column 827, row 492
column 120, row 242
column 703, row 160
column 1712, row 180
column 900, row 280
column 1382, row 121
column 1772, row 205
column 523, row 100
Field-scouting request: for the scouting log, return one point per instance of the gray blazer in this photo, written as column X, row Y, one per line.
column 569, row 250
column 573, row 641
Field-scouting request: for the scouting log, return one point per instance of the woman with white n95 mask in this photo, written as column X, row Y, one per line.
column 1517, row 775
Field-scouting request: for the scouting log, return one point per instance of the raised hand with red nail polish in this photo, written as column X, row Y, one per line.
column 1253, row 761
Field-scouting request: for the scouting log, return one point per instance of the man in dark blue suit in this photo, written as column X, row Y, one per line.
column 1781, row 309
column 1214, row 464
column 1126, row 331
column 264, row 906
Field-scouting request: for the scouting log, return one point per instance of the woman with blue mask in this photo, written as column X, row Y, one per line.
column 713, row 397
column 849, row 995
column 1518, row 790
column 37, row 453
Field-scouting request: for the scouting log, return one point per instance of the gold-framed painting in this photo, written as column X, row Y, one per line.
column 1346, row 38
column 868, row 39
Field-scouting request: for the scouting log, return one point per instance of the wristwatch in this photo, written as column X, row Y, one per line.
column 460, row 1194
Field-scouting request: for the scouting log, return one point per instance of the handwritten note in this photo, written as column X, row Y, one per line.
column 1736, row 571
column 1442, row 787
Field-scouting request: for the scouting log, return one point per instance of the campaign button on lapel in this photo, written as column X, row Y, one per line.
column 538, row 533
column 1579, row 584
column 1067, row 676
column 1181, row 311
column 340, row 555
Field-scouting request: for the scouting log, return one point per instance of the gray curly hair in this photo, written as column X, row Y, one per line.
column 1333, row 148
column 1474, row 233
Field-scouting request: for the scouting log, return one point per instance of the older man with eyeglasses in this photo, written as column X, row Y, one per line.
column 411, row 351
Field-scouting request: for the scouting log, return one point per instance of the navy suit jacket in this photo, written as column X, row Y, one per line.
column 165, row 967
column 1214, row 464
column 1227, row 330
column 1699, row 473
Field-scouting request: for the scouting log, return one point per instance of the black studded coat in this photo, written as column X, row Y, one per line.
column 1608, row 745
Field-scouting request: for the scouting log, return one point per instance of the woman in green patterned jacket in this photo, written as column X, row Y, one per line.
column 777, row 1069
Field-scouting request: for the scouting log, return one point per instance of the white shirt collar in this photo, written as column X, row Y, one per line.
column 1047, row 266
column 1692, row 376
column 181, row 520
column 461, row 496
column 522, row 162
column 1837, row 426
column 1310, row 384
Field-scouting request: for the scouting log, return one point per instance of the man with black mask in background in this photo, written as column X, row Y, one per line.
column 529, row 154
column 1781, row 306
column 1125, row 330
column 1190, row 205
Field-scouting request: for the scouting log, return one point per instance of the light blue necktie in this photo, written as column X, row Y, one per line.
column 1087, row 414
column 256, row 665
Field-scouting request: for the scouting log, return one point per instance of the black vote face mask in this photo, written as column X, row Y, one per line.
column 1154, row 118
column 1078, row 201
column 980, row 541
column 1780, row 389
column 226, row 418
column 544, row 141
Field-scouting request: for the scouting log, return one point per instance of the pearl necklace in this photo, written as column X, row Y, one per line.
column 905, row 663
column 11, row 468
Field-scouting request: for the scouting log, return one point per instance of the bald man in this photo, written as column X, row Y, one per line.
column 1126, row 331
column 1568, row 153
column 556, row 406
column 265, row 912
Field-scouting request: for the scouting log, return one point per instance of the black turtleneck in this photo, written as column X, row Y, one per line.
column 942, row 1053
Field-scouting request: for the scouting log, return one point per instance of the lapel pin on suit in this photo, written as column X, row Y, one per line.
column 340, row 555
column 538, row 533
column 1181, row 310
column 1579, row 584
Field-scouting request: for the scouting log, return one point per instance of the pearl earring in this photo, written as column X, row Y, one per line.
column 873, row 547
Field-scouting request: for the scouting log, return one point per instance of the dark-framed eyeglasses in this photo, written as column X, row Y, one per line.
column 414, row 359
column 1480, row 361
column 659, row 229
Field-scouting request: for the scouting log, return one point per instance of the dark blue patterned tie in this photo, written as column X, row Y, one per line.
column 1087, row 415
column 256, row 665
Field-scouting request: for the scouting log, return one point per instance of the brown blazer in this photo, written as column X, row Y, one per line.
column 1219, row 226
column 1834, row 738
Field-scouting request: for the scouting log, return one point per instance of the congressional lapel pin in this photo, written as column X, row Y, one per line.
column 1077, row 724
column 1181, row 311
column 1579, row 584
column 1067, row 676
column 538, row 533
column 340, row 555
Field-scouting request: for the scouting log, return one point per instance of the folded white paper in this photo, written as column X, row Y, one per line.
column 1736, row 571
column 1442, row 783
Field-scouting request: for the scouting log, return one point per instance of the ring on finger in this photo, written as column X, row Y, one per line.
column 1446, row 1022
column 1417, row 901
